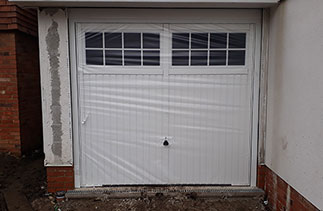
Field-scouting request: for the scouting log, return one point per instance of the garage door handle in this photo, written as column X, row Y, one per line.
column 165, row 143
column 84, row 120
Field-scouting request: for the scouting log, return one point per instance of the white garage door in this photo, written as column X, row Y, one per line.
column 165, row 103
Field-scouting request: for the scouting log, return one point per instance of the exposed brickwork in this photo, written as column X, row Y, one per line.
column 261, row 173
column 9, row 107
column 20, row 110
column 280, row 195
column 29, row 92
column 60, row 179
column 13, row 17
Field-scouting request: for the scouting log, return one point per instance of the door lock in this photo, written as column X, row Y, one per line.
column 166, row 140
column 165, row 143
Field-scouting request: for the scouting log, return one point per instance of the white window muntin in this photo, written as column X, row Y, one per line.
column 215, row 28
column 123, row 28
column 165, row 31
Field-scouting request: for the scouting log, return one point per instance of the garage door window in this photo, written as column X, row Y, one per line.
column 159, row 48
column 122, row 49
column 208, row 49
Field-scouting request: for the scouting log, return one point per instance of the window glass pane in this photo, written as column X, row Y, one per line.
column 199, row 40
column 218, row 57
column 198, row 58
column 94, row 57
column 151, row 40
column 93, row 40
column 180, row 41
column 236, row 58
column 180, row 58
column 218, row 40
column 132, row 58
column 132, row 40
column 237, row 40
column 113, row 57
column 113, row 40
column 151, row 58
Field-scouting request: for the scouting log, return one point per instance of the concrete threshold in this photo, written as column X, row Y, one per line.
column 123, row 192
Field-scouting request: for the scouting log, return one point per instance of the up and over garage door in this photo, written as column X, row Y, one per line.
column 165, row 103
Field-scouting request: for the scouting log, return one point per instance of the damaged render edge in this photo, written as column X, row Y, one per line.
column 55, row 86
column 52, row 41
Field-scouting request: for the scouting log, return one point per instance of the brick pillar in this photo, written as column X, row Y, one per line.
column 20, row 103
column 9, row 106
column 60, row 179
column 30, row 113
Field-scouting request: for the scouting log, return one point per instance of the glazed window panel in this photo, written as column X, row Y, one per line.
column 199, row 58
column 151, row 58
column 218, row 58
column 132, row 40
column 122, row 48
column 209, row 49
column 218, row 40
column 93, row 40
column 113, row 40
column 180, row 40
column 187, row 48
column 236, row 57
column 151, row 40
column 237, row 40
column 113, row 57
column 199, row 40
column 132, row 58
column 180, row 58
column 94, row 57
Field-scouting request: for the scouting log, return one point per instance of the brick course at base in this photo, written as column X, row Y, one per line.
column 60, row 179
column 280, row 195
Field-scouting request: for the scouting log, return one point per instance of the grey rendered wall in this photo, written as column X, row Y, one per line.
column 294, row 142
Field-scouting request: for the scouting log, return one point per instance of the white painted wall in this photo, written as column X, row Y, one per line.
column 55, row 86
column 294, row 142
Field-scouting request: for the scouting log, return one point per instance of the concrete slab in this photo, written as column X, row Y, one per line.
column 142, row 191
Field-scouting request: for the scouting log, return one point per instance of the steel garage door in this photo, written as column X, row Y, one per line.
column 165, row 103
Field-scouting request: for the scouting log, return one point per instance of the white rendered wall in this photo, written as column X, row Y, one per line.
column 55, row 86
column 294, row 142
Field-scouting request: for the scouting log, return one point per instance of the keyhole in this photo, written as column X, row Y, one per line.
column 165, row 143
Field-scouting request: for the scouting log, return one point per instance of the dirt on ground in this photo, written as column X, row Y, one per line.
column 180, row 202
column 21, row 180
column 23, row 187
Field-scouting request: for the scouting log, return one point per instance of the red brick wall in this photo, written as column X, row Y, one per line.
column 20, row 110
column 280, row 195
column 261, row 173
column 29, row 92
column 20, row 101
column 9, row 107
column 13, row 17
column 60, row 179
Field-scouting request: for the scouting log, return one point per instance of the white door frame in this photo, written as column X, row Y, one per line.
column 174, row 16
